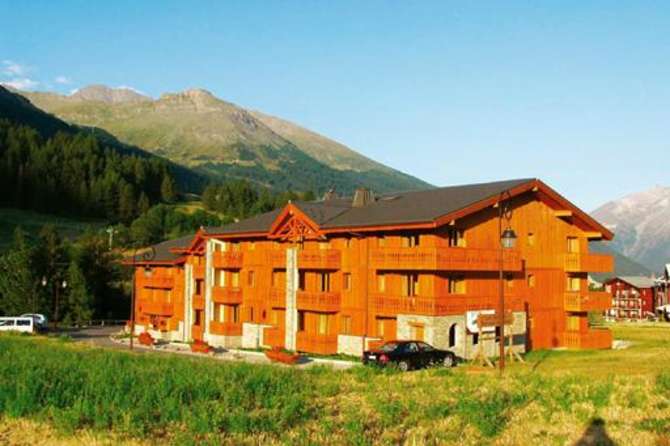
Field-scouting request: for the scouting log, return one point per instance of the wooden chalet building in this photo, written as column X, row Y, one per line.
column 633, row 297
column 334, row 275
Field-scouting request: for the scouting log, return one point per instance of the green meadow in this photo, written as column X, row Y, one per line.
column 67, row 393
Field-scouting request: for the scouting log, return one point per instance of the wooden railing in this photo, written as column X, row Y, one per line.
column 196, row 331
column 315, row 343
column 318, row 301
column 157, row 282
column 588, row 301
column 228, row 259
column 319, row 259
column 588, row 263
column 157, row 308
column 198, row 301
column 273, row 336
column 600, row 338
column 227, row 295
column 199, row 271
column 442, row 305
column 444, row 258
column 277, row 298
column 276, row 258
column 225, row 328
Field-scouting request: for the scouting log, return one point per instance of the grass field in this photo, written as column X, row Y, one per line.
column 65, row 393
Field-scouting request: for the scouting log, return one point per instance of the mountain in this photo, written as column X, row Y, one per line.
column 223, row 140
column 641, row 222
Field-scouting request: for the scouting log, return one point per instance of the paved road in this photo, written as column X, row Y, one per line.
column 95, row 335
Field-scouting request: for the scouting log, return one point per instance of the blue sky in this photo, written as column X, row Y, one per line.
column 576, row 93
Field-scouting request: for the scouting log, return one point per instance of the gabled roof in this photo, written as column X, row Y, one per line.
column 164, row 251
column 417, row 209
column 636, row 281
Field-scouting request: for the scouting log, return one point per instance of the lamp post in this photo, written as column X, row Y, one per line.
column 146, row 256
column 507, row 241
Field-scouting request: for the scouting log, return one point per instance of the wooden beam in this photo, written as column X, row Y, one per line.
column 594, row 235
column 452, row 223
column 562, row 213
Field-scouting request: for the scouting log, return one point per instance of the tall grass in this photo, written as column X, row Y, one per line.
column 144, row 394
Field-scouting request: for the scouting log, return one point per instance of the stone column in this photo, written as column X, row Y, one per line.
column 292, row 278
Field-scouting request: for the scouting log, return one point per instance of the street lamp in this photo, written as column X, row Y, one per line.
column 507, row 241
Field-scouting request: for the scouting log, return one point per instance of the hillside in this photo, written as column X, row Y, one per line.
column 641, row 222
column 196, row 129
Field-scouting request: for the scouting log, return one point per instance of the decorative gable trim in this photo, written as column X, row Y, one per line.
column 294, row 225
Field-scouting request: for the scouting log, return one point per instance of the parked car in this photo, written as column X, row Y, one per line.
column 40, row 320
column 409, row 355
column 21, row 324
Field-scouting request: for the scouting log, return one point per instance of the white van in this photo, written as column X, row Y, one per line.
column 21, row 324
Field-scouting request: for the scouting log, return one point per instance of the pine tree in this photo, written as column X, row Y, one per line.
column 79, row 303
column 168, row 192
column 143, row 204
column 18, row 282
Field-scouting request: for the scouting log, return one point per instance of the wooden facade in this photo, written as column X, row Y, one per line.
column 331, row 277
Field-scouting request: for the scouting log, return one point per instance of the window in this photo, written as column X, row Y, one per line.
column 324, row 282
column 324, row 245
column 475, row 339
column 346, row 325
column 277, row 278
column 457, row 285
column 456, row 238
column 380, row 328
column 323, row 324
column 381, row 241
column 275, row 317
column 410, row 241
column 573, row 244
column 221, row 276
column 235, row 313
column 251, row 279
column 235, row 279
column 301, row 321
column 452, row 335
column 251, row 314
column 347, row 242
column 148, row 272
column 531, row 281
column 168, row 296
column 573, row 283
column 509, row 280
column 198, row 286
column 234, row 246
column 346, row 279
column 573, row 323
column 301, row 280
column 411, row 284
column 381, row 282
column 197, row 317
column 531, row 239
column 252, row 246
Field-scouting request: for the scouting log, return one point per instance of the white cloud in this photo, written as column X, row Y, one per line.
column 11, row 68
column 63, row 80
column 21, row 83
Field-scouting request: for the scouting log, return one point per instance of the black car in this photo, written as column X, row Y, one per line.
column 408, row 355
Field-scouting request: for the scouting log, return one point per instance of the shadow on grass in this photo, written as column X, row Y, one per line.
column 595, row 435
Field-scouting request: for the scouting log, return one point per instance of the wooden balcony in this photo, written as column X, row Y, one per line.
column 276, row 258
column 588, row 301
column 157, row 308
column 227, row 295
column 315, row 343
column 196, row 331
column 198, row 302
column 318, row 301
column 441, row 306
column 273, row 337
column 157, row 282
column 198, row 271
column 228, row 259
column 225, row 328
column 588, row 263
column 445, row 258
column 319, row 259
column 277, row 298
column 600, row 338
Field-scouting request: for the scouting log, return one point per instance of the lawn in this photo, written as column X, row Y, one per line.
column 68, row 392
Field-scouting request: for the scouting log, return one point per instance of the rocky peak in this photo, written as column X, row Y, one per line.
column 103, row 93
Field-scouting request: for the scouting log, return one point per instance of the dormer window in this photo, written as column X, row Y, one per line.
column 410, row 241
column 456, row 238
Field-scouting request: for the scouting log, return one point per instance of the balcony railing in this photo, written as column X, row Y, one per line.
column 591, row 339
column 198, row 301
column 319, row 259
column 157, row 308
column 588, row 263
column 442, row 305
column 277, row 258
column 273, row 336
column 228, row 259
column 199, row 271
column 444, row 258
column 318, row 301
column 225, row 328
column 316, row 343
column 157, row 282
column 277, row 298
column 589, row 301
column 227, row 295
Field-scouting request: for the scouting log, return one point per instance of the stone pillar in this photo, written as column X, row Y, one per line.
column 292, row 278
column 209, row 282
column 188, row 301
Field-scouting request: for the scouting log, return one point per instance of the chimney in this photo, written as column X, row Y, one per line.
column 362, row 197
column 330, row 195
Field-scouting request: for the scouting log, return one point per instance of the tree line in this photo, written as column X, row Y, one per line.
column 77, row 175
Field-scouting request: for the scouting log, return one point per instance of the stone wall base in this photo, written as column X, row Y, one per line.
column 224, row 341
column 252, row 335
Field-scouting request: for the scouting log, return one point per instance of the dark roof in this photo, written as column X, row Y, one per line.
column 163, row 250
column 398, row 208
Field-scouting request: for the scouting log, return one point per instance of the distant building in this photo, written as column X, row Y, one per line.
column 336, row 275
column 633, row 297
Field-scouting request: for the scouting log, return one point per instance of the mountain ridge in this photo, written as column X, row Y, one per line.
column 221, row 139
